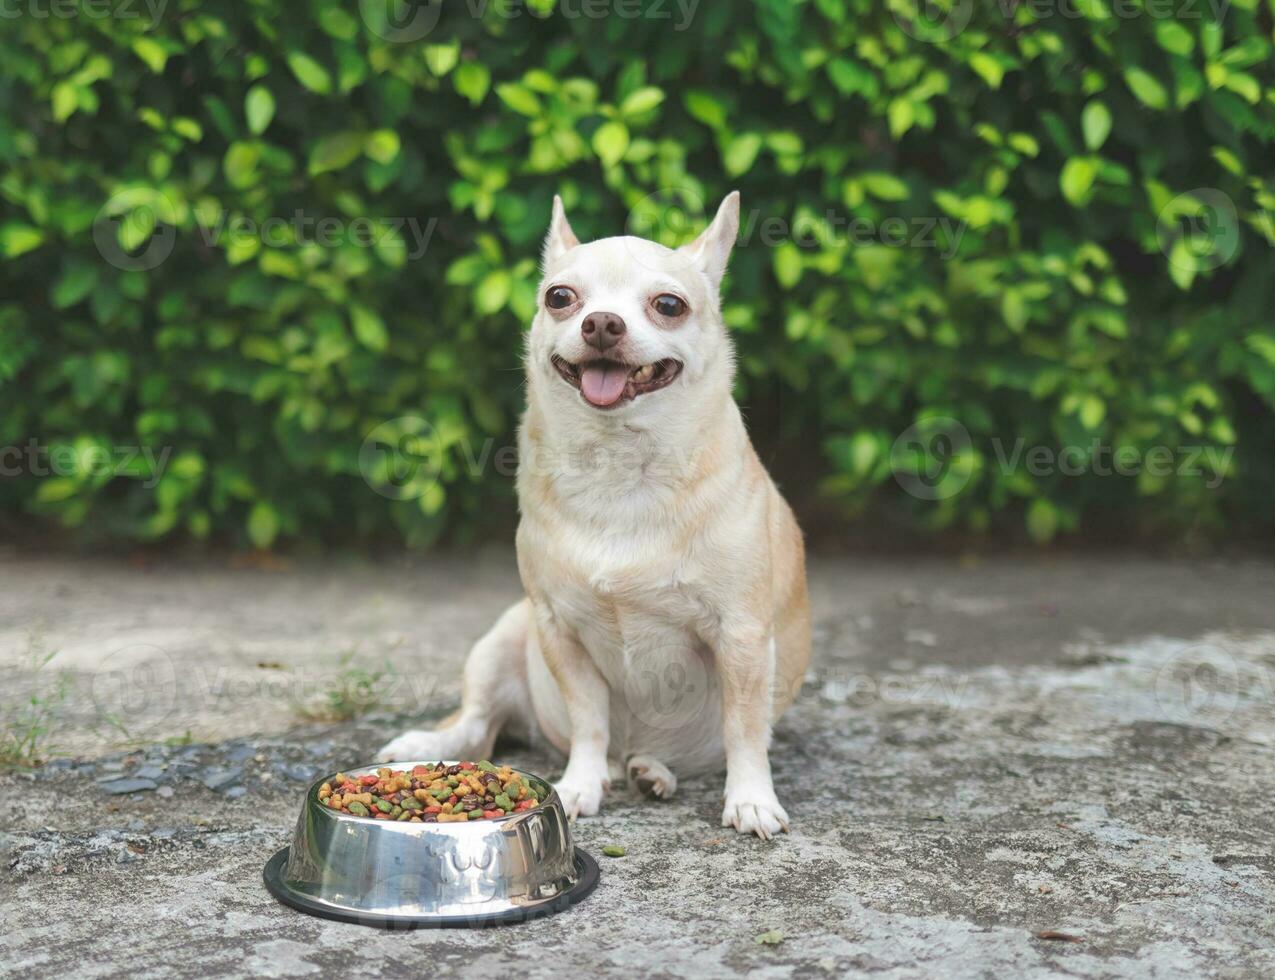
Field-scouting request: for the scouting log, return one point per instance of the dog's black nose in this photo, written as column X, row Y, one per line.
column 602, row 330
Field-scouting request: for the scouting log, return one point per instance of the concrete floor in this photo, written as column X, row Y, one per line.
column 985, row 752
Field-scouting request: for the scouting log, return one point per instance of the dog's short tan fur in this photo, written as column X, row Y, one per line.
column 666, row 622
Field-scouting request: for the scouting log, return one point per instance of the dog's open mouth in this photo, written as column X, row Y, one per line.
column 605, row 384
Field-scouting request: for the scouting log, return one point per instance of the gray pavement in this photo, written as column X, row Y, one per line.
column 987, row 753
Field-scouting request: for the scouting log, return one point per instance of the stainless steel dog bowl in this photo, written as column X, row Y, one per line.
column 401, row 875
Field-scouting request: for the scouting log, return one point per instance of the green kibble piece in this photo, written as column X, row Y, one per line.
column 412, row 803
column 475, row 814
column 383, row 806
column 405, row 815
column 504, row 802
column 486, row 766
column 358, row 809
column 395, row 811
column 512, row 787
column 614, row 851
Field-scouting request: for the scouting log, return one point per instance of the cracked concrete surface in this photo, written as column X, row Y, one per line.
column 984, row 752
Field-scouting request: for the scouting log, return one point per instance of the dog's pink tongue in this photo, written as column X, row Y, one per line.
column 602, row 382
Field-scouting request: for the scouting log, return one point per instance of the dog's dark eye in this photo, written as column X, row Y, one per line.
column 559, row 297
column 666, row 304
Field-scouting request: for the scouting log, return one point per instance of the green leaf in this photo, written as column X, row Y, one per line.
column 1173, row 37
column 310, row 73
column 187, row 129
column 263, row 524
column 492, row 293
column 258, row 106
column 53, row 489
column 17, row 238
column 741, row 152
column 784, row 142
column 1095, row 122
column 1042, row 520
column 1092, row 411
column 787, row 262
column 240, row 163
column 382, row 145
column 338, row 23
column 369, row 328
column 76, row 283
column 706, row 107
column 151, row 52
column 442, row 58
column 885, row 187
column 610, row 142
column 991, row 70
column 1146, row 88
column 642, row 100
column 1014, row 310
column 1076, row 180
column 65, row 101
column 901, row 114
column 472, row 81
column 336, row 151
column 519, row 98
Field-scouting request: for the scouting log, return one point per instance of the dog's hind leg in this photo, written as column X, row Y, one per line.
column 652, row 777
column 494, row 690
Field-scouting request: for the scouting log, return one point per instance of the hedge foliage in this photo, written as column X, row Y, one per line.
column 1047, row 223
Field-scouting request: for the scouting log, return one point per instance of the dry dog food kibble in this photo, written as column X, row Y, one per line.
column 432, row 794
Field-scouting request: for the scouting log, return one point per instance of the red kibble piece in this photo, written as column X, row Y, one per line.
column 433, row 809
column 368, row 780
column 489, row 814
column 468, row 765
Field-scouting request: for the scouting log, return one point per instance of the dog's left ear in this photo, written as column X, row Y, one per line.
column 561, row 238
column 711, row 250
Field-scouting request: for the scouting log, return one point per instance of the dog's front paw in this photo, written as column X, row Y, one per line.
column 754, row 810
column 411, row 746
column 580, row 797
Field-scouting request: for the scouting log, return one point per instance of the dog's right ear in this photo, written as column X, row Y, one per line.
column 561, row 238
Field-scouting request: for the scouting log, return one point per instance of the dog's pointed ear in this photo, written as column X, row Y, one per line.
column 711, row 250
column 561, row 238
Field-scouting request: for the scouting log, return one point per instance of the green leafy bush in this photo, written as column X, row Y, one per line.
column 239, row 237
